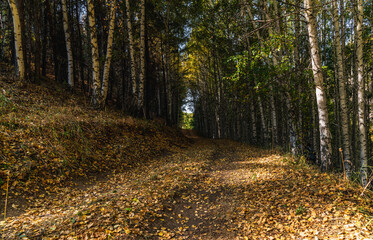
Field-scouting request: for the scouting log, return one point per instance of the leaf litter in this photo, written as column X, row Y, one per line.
column 206, row 191
column 163, row 187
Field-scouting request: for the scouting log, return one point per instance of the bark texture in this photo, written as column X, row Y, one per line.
column 14, row 6
column 360, row 94
column 95, row 55
column 325, row 136
column 342, row 93
column 109, row 50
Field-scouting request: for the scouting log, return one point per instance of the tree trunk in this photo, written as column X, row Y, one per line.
column 275, row 63
column 37, row 39
column 132, row 51
column 105, row 79
column 342, row 93
column 315, row 134
column 360, row 94
column 253, row 121
column 96, row 84
column 142, row 76
column 66, row 29
column 14, row 6
column 325, row 136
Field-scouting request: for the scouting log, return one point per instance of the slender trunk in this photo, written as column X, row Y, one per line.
column 168, row 68
column 291, row 126
column 274, row 117
column 342, row 94
column 37, row 39
column 299, row 131
column 96, row 84
column 315, row 135
column 70, row 66
column 132, row 51
column 44, row 42
column 361, row 97
column 253, row 121
column 275, row 59
column 80, row 54
column 105, row 80
column 262, row 118
column 142, row 76
column 325, row 136
column 18, row 39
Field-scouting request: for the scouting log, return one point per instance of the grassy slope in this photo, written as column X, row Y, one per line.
column 48, row 135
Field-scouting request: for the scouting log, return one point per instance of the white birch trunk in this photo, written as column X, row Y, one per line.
column 70, row 76
column 142, row 59
column 109, row 50
column 18, row 40
column 95, row 55
column 342, row 93
column 325, row 136
column 360, row 95
column 132, row 51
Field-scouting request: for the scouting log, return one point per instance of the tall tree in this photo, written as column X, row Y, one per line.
column 105, row 78
column 70, row 66
column 96, row 84
column 325, row 136
column 141, row 104
column 361, row 90
column 17, row 25
column 131, row 51
column 342, row 93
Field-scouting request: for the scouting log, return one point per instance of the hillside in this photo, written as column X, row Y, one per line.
column 51, row 138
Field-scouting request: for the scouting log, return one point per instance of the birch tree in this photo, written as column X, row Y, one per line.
column 14, row 6
column 325, row 136
column 109, row 48
column 70, row 67
column 95, row 55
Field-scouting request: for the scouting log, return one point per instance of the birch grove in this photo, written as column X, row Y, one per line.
column 294, row 76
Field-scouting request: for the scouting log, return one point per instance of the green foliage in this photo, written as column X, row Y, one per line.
column 187, row 121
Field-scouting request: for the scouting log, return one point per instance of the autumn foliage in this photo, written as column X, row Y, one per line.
column 79, row 173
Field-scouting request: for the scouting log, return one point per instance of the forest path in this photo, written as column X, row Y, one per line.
column 214, row 189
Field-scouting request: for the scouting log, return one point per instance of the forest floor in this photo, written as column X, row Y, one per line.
column 78, row 173
column 214, row 189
